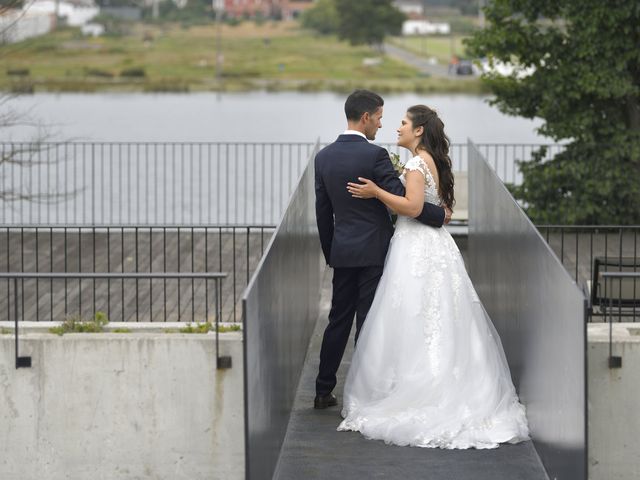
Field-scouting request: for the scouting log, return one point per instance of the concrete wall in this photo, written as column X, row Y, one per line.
column 121, row 406
column 614, row 399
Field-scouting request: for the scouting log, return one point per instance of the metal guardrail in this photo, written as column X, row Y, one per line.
column 216, row 277
column 176, row 183
column 237, row 249
column 583, row 248
column 124, row 248
column 149, row 183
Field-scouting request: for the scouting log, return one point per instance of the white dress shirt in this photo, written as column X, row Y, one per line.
column 355, row 132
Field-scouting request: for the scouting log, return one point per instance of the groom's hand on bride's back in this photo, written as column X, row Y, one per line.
column 447, row 215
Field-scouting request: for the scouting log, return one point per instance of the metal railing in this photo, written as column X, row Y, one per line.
column 129, row 249
column 587, row 251
column 610, row 278
column 150, row 183
column 619, row 294
column 20, row 278
column 176, row 183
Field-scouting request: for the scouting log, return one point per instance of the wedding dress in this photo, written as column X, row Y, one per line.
column 429, row 369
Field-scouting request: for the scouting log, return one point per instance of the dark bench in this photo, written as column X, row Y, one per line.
column 619, row 296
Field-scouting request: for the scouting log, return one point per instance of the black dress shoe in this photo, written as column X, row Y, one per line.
column 324, row 401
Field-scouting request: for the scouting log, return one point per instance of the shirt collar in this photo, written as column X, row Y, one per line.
column 355, row 132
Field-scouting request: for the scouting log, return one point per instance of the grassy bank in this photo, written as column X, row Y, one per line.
column 155, row 58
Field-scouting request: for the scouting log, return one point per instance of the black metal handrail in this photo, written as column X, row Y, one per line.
column 581, row 248
column 217, row 277
column 180, row 182
column 117, row 248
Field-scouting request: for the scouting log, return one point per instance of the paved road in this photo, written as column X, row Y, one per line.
column 421, row 63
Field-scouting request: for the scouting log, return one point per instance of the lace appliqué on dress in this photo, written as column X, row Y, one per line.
column 430, row 191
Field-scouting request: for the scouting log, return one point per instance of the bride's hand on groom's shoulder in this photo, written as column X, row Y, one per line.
column 366, row 189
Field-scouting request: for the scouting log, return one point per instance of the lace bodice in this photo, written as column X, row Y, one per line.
column 430, row 190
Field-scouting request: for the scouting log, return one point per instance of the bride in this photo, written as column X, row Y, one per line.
column 429, row 369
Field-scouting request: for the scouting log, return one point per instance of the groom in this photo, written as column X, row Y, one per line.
column 354, row 233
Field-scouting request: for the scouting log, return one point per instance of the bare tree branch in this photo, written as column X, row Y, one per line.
column 38, row 151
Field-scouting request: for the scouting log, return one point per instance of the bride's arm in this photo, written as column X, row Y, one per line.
column 410, row 205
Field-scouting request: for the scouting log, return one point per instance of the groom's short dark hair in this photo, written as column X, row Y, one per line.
column 362, row 101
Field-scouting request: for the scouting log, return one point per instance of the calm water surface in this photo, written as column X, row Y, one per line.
column 251, row 117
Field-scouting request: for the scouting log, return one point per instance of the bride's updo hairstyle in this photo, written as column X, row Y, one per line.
column 436, row 143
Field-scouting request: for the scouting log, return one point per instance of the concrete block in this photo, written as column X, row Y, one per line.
column 121, row 406
column 614, row 396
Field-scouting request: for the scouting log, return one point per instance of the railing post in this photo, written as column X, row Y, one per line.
column 21, row 362
column 614, row 361
column 222, row 361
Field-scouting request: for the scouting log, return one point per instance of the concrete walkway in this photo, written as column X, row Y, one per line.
column 313, row 449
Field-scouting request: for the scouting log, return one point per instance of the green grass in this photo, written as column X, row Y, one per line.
column 77, row 325
column 271, row 56
column 230, row 328
column 204, row 328
column 198, row 328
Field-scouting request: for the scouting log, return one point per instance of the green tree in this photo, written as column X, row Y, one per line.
column 323, row 17
column 10, row 4
column 584, row 56
column 368, row 21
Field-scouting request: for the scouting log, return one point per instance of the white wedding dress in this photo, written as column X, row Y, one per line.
column 429, row 369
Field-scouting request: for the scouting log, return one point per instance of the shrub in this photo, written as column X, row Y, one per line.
column 133, row 72
column 19, row 72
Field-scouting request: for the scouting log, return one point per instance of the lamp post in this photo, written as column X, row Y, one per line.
column 218, row 8
column 424, row 35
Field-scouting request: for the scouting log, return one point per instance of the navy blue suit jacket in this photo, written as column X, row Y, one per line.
column 355, row 232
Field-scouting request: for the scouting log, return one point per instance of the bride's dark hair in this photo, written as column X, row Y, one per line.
column 436, row 143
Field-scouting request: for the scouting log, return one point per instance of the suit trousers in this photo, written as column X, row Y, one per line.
column 353, row 293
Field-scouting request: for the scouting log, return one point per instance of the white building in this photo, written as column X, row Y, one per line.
column 506, row 69
column 425, row 27
column 92, row 29
column 75, row 14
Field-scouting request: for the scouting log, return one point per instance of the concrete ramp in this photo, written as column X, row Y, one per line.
column 313, row 449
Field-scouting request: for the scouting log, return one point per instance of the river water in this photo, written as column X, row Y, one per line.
column 250, row 117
